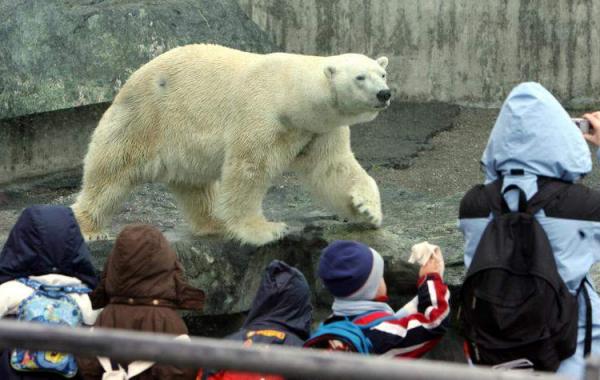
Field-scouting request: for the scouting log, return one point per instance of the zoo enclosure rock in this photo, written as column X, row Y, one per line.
column 230, row 274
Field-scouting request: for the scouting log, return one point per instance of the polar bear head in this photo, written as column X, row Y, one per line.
column 359, row 85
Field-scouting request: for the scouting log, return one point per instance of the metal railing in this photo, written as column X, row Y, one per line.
column 124, row 345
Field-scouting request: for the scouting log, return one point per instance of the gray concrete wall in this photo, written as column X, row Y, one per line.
column 46, row 143
column 465, row 51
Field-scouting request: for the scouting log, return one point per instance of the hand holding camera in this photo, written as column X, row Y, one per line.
column 592, row 132
column 582, row 124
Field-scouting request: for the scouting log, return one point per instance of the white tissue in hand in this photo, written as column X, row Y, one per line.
column 422, row 252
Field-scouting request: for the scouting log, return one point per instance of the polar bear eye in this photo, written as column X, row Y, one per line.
column 383, row 76
column 360, row 77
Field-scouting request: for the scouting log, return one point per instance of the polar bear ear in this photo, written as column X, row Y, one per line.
column 383, row 61
column 329, row 71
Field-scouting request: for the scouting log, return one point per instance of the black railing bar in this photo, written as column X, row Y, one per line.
column 125, row 345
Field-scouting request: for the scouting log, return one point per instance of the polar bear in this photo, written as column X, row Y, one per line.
column 217, row 125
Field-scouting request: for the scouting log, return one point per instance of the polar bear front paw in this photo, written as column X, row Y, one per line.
column 259, row 233
column 99, row 235
column 366, row 210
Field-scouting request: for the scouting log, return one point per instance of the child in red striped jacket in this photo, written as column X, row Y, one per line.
column 353, row 274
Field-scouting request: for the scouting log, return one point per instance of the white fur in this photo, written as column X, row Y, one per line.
column 217, row 125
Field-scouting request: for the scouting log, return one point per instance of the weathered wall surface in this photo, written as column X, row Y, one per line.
column 45, row 143
column 64, row 54
column 465, row 51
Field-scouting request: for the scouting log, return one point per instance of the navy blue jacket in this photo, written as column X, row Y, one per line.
column 44, row 240
column 282, row 304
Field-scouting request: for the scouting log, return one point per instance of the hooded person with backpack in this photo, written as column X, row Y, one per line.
column 362, row 321
column 46, row 274
column 281, row 314
column 141, row 288
column 531, row 236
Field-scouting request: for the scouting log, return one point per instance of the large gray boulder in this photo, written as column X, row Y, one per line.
column 64, row 54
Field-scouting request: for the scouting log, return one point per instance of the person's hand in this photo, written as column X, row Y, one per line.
column 594, row 135
column 433, row 265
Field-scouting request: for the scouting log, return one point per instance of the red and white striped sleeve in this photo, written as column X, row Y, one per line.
column 417, row 333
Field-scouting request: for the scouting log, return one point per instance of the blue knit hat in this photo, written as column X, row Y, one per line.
column 351, row 270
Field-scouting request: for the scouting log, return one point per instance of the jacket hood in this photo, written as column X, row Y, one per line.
column 533, row 133
column 142, row 265
column 46, row 240
column 282, row 300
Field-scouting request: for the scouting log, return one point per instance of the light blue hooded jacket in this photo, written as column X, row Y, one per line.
column 534, row 136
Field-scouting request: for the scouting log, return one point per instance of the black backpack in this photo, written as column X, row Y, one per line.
column 514, row 304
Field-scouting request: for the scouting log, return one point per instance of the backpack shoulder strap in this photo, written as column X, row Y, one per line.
column 548, row 189
column 522, row 207
column 133, row 369
column 37, row 285
column 547, row 192
column 587, row 344
column 33, row 284
column 108, row 365
column 79, row 289
column 139, row 366
column 344, row 330
column 492, row 195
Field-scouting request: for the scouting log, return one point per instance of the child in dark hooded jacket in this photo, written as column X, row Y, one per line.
column 44, row 252
column 141, row 287
column 281, row 314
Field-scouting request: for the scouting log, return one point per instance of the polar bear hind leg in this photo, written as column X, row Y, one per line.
column 196, row 202
column 108, row 176
column 240, row 207
column 244, row 183
column 96, row 204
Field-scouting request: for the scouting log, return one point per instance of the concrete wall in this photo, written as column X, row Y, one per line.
column 46, row 143
column 464, row 51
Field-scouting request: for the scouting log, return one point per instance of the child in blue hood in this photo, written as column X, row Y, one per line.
column 534, row 141
column 45, row 250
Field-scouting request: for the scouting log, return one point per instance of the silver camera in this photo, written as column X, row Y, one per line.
column 582, row 124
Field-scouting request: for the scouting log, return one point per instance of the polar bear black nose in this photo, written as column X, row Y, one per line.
column 384, row 95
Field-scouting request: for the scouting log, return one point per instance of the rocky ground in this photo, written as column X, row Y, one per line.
column 423, row 156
